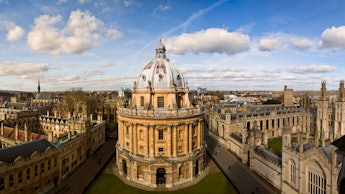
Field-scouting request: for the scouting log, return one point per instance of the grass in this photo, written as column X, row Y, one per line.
column 276, row 144
column 214, row 182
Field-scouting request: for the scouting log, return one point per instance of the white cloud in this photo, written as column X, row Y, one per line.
column 311, row 69
column 8, row 68
column 14, row 32
column 108, row 63
column 130, row 3
column 93, row 73
column 269, row 44
column 279, row 40
column 212, row 40
column 333, row 37
column 61, row 1
column 70, row 78
column 80, row 34
column 164, row 7
column 301, row 43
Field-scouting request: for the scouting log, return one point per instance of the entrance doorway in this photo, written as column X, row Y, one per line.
column 160, row 176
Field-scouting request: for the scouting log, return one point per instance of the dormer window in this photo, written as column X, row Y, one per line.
column 143, row 77
column 178, row 77
column 160, row 77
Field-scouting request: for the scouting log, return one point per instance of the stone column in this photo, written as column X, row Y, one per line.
column 152, row 140
column 199, row 135
column 135, row 137
column 120, row 133
column 169, row 139
column 174, row 140
column 185, row 139
column 190, row 137
column 148, row 140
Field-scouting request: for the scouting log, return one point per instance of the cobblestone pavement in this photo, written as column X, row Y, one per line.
column 78, row 181
column 244, row 180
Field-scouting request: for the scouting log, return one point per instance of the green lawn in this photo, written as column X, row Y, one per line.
column 276, row 144
column 214, row 182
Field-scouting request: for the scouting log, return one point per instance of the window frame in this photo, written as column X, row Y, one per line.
column 160, row 102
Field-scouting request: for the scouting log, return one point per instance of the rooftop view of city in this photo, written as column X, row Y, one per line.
column 131, row 96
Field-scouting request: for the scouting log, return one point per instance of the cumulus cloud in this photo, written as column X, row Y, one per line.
column 9, row 69
column 70, row 78
column 92, row 73
column 108, row 63
column 333, row 37
column 14, row 32
column 311, row 69
column 80, row 34
column 268, row 44
column 281, row 40
column 212, row 40
column 61, row 1
column 301, row 43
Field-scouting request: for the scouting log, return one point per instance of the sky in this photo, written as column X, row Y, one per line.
column 219, row 45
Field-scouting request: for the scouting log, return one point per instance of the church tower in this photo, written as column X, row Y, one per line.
column 161, row 135
column 339, row 116
column 322, row 118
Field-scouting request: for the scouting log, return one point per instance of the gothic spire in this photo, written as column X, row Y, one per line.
column 38, row 87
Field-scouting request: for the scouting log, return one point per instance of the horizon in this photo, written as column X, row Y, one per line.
column 221, row 45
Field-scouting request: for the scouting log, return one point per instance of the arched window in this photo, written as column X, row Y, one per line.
column 292, row 172
column 316, row 179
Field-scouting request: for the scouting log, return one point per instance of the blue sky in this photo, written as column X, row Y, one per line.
column 225, row 45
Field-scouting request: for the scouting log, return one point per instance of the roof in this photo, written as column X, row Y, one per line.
column 160, row 72
column 44, row 96
column 339, row 143
column 10, row 133
column 25, row 150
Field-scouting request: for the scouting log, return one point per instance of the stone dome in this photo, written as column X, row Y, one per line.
column 160, row 72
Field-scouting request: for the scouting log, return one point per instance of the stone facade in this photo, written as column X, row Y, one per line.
column 160, row 135
column 307, row 166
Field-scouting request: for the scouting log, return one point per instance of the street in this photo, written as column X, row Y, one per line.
column 239, row 174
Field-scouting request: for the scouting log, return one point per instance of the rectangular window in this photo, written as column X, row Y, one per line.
column 49, row 164
column 160, row 102
column 10, row 180
column 42, row 168
column 2, row 184
column 55, row 162
column 127, row 130
column 160, row 150
column 28, row 174
column 20, row 177
column 36, row 170
column 160, row 135
column 142, row 101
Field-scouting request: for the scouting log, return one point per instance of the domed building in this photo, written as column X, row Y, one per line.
column 161, row 137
